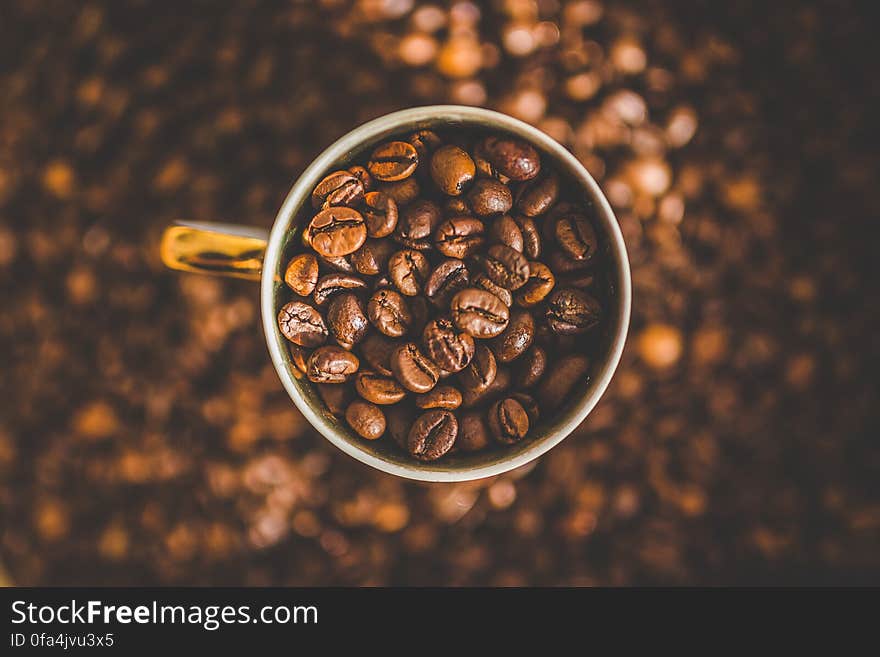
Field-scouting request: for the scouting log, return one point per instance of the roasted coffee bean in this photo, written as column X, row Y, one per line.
column 500, row 385
column 403, row 191
column 484, row 282
column 459, row 237
column 425, row 143
column 331, row 364
column 389, row 313
column 531, row 237
column 299, row 356
column 331, row 284
column 506, row 267
column 576, row 236
column 561, row 263
column 571, row 311
column 372, row 258
column 448, row 277
column 335, row 397
column 508, row 421
column 531, row 407
column 504, row 230
column 479, row 313
column 415, row 371
column 366, row 419
column 447, row 397
column 408, row 270
column 452, row 169
column 480, row 371
column 398, row 421
column 488, row 196
column 515, row 340
column 539, row 285
column 473, row 434
column 455, row 206
column 485, row 169
column 364, row 176
column 338, row 188
column 511, row 157
column 531, row 368
column 378, row 389
column 341, row 264
column 376, row 350
column 346, row 318
column 569, row 373
column 538, row 195
column 302, row 324
column 392, row 161
column 301, row 274
column 337, row 231
column 380, row 214
column 432, row 435
column 449, row 348
column 418, row 221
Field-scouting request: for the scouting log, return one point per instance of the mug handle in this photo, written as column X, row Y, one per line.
column 219, row 249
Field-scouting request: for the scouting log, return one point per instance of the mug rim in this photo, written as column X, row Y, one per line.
column 350, row 142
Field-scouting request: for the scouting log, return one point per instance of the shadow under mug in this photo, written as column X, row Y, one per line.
column 249, row 253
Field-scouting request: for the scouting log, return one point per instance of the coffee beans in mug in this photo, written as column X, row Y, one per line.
column 445, row 293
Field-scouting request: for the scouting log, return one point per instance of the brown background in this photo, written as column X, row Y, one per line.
column 144, row 437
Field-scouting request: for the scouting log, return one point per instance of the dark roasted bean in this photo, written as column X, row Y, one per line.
column 392, row 161
column 372, row 258
column 479, row 313
column 403, row 191
column 380, row 214
column 301, row 274
column 531, row 368
column 539, row 285
column 378, row 389
column 571, row 311
column 506, row 267
column 450, row 348
column 504, row 230
column 536, row 196
column 336, row 397
column 331, row 364
column 575, row 235
column 302, row 324
column 338, row 188
column 332, row 284
column 425, row 143
column 366, row 419
column 481, row 371
column 531, row 237
column 364, row 176
column 448, row 397
column 471, row 397
column 389, row 313
column 508, row 421
column 484, row 282
column 408, row 270
column 376, row 350
column 346, row 319
column 415, row 371
column 452, row 169
column 511, row 157
column 432, row 435
column 515, row 340
column 418, row 221
column 488, row 196
column 448, row 277
column 459, row 237
column 337, row 231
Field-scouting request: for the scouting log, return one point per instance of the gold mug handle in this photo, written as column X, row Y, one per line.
column 219, row 249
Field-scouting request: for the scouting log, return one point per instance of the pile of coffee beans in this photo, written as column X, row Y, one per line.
column 438, row 285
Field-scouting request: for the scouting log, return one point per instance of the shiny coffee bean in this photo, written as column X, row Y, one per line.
column 459, row 237
column 479, row 313
column 418, row 221
column 571, row 311
column 330, row 285
column 452, row 169
column 448, row 277
column 484, row 282
column 516, row 339
column 338, row 188
column 511, row 157
column 530, row 405
column 380, row 214
column 432, row 435
column 335, row 397
column 575, row 235
column 364, row 176
column 538, row 195
column 504, row 230
column 389, row 313
column 471, row 397
column 480, row 371
column 540, row 284
column 376, row 351
column 569, row 373
column 531, row 367
column 346, row 318
column 372, row 258
column 392, row 161
column 301, row 274
column 561, row 264
column 337, row 231
column 488, row 196
column 403, row 191
column 331, row 364
column 508, row 421
column 425, row 143
column 449, row 348
column 485, row 169
column 408, row 270
column 506, row 267
column 531, row 237
column 378, row 389
column 366, row 419
column 473, row 434
column 341, row 264
column 448, row 397
column 302, row 324
column 415, row 371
